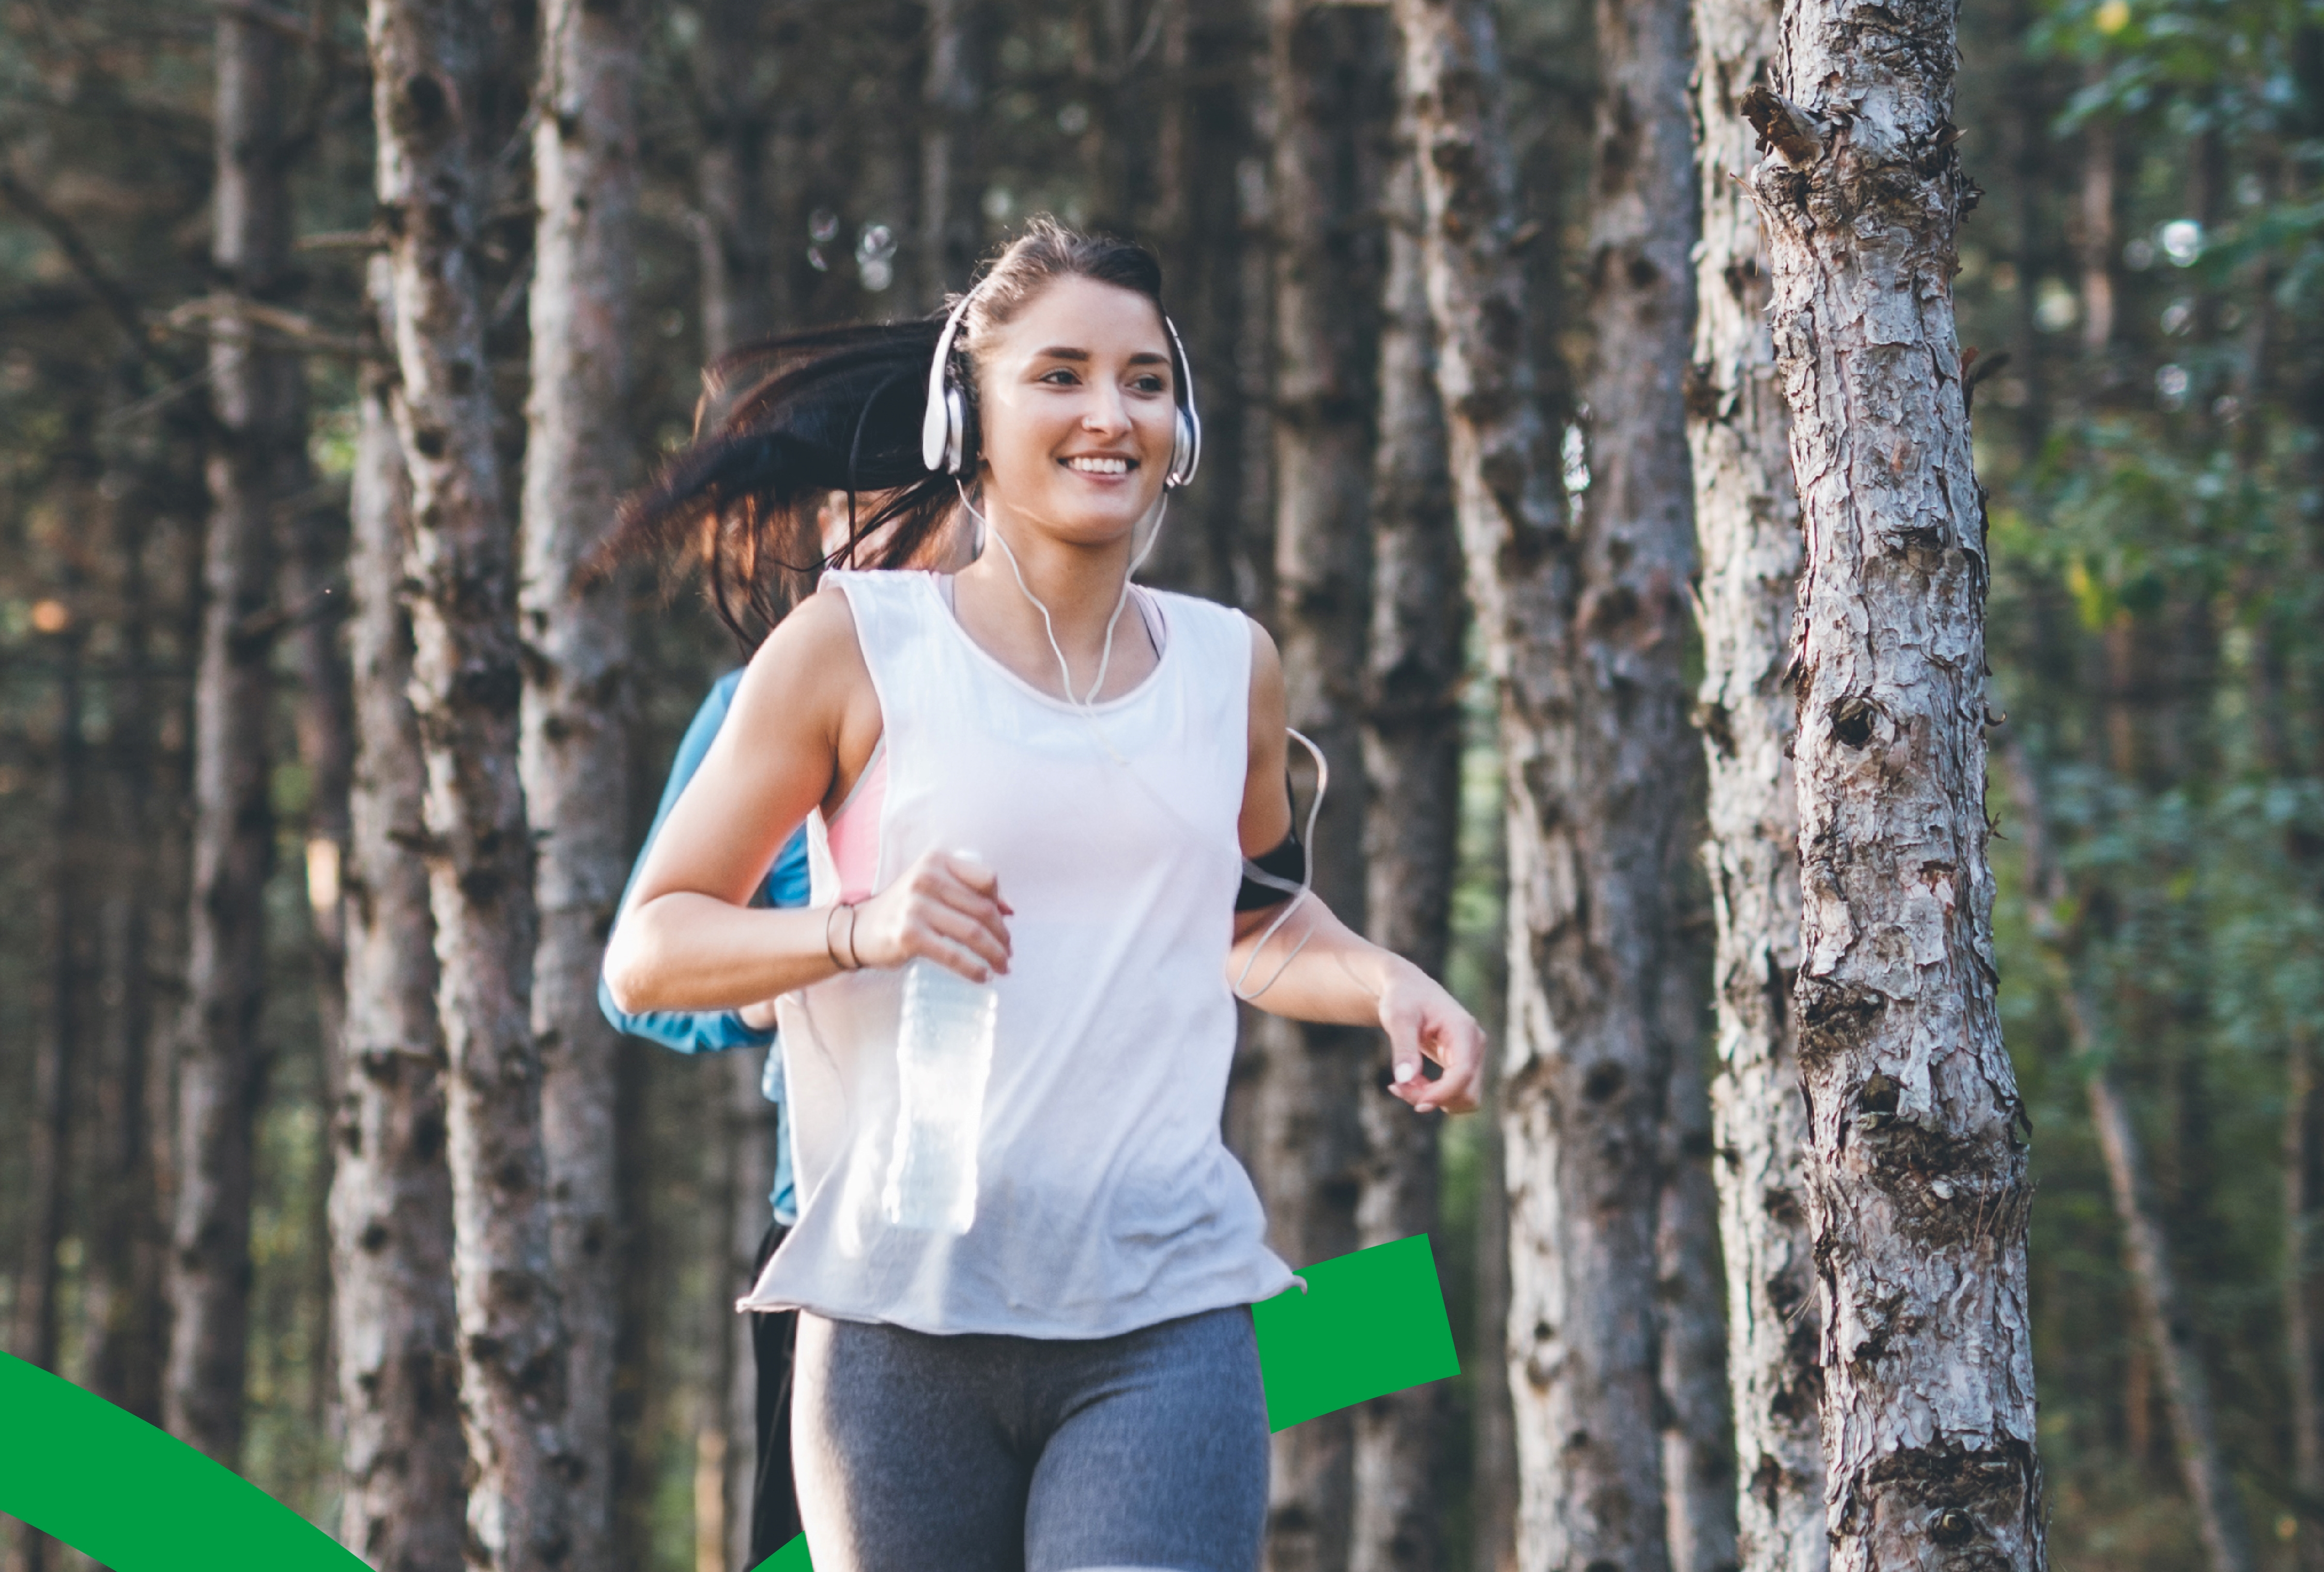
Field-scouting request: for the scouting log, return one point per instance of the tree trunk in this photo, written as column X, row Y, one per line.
column 1590, row 807
column 1632, row 803
column 950, row 223
column 260, row 461
column 1327, row 68
column 2303, row 1285
column 1697, row 1445
column 1748, row 526
column 2164, row 1321
column 734, row 230
column 1412, row 766
column 431, row 62
column 49, row 1147
column 575, row 753
column 1516, row 543
column 1917, row 1183
column 391, row 1191
column 750, row 1138
column 122, row 1328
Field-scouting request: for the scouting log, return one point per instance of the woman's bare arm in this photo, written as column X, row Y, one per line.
column 1314, row 968
column 803, row 723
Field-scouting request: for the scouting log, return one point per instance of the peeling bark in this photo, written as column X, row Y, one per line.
column 260, row 461
column 397, row 1342
column 431, row 61
column 574, row 752
column 1747, row 530
column 1412, row 766
column 1917, row 1181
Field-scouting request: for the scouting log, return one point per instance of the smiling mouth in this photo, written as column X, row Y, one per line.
column 1099, row 465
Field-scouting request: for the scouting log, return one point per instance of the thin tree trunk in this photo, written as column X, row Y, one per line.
column 260, row 461
column 575, row 753
column 1633, row 765
column 122, row 1290
column 1412, row 766
column 1917, row 1182
column 1697, row 1447
column 1497, row 1486
column 1748, row 526
column 750, row 1138
column 734, row 231
column 1328, row 75
column 2164, row 1321
column 1516, row 546
column 430, row 64
column 2303, row 1285
column 390, row 1190
column 316, row 605
column 49, row 1148
column 950, row 223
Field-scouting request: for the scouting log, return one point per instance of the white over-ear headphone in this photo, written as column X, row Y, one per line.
column 943, row 429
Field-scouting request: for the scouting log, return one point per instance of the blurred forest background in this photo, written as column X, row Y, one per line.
column 2148, row 255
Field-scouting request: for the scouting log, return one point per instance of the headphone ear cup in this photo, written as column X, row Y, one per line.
column 955, row 431
column 1182, row 451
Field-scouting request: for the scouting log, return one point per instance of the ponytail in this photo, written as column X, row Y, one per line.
column 782, row 425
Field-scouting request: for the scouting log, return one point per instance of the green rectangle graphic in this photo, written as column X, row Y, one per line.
column 1369, row 1324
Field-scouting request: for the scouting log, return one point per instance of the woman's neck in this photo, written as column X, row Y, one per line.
column 999, row 598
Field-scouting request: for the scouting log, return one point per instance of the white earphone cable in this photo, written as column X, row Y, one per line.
column 1307, row 885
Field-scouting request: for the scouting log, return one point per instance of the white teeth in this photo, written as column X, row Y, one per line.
column 1099, row 465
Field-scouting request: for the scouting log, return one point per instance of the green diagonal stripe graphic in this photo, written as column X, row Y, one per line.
column 138, row 1500
column 135, row 1498
column 1369, row 1324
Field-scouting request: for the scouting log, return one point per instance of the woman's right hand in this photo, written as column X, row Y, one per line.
column 946, row 907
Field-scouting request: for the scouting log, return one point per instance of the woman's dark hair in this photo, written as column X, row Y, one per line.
column 785, row 423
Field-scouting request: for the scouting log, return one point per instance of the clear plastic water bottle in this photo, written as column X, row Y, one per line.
column 944, row 1054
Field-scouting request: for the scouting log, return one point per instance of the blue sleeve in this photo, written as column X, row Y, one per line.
column 708, row 1031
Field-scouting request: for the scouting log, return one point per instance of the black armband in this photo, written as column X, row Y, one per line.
column 1274, row 877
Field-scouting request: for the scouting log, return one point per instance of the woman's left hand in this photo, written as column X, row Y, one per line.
column 1421, row 1018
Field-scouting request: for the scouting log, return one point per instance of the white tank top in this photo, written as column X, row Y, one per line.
column 1106, row 1200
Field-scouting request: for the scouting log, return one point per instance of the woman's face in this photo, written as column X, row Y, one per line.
column 1076, row 410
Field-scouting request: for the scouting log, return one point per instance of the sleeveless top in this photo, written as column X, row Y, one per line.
column 1106, row 1199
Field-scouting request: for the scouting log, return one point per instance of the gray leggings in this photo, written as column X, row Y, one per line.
column 1141, row 1453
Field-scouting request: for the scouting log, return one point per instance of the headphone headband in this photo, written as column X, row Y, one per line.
column 943, row 428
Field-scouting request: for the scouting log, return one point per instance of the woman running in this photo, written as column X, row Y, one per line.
column 1042, row 780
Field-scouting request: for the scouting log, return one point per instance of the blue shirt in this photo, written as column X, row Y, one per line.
column 717, row 1031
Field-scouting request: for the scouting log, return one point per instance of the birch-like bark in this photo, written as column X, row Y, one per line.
column 1412, row 767
column 399, row 1361
column 1328, row 72
column 1567, row 635
column 574, row 754
column 1747, row 520
column 260, row 460
column 2162, row 1316
column 430, row 64
column 1917, row 1182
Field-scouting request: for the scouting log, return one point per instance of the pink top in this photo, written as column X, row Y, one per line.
column 854, row 836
